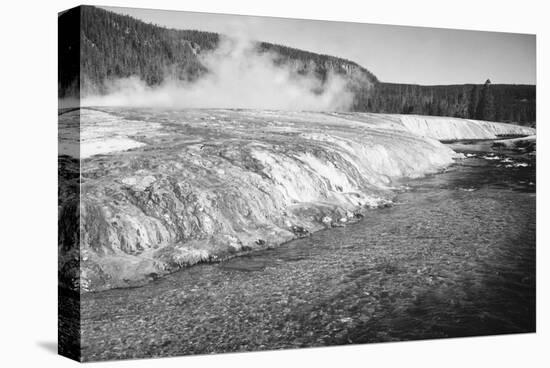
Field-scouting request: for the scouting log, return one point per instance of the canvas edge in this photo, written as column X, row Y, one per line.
column 69, row 321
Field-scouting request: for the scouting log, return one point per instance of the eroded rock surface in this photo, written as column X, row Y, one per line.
column 202, row 185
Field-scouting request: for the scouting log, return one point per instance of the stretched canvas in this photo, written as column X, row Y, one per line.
column 234, row 183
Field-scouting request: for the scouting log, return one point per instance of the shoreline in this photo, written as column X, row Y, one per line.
column 395, row 272
column 220, row 259
column 211, row 185
column 356, row 220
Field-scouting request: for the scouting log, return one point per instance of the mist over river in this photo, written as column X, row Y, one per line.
column 453, row 256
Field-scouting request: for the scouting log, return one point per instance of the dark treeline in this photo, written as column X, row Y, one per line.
column 322, row 64
column 116, row 46
column 494, row 102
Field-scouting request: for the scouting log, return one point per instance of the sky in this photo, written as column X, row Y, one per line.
column 395, row 54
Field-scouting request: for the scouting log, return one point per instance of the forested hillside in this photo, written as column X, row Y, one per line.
column 493, row 102
column 114, row 45
column 319, row 64
column 117, row 46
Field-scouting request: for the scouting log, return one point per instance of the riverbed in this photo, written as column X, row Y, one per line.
column 454, row 256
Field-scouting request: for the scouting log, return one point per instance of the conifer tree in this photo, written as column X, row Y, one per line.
column 486, row 107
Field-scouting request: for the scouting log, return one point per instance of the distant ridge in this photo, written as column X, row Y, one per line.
column 117, row 46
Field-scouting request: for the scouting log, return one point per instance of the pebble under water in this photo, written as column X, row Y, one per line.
column 455, row 256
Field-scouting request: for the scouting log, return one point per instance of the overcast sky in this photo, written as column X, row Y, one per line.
column 393, row 53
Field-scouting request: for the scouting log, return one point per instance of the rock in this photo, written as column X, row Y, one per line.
column 299, row 231
column 196, row 192
column 139, row 183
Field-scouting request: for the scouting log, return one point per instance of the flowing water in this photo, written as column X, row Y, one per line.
column 455, row 256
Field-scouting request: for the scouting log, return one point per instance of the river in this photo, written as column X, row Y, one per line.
column 455, row 256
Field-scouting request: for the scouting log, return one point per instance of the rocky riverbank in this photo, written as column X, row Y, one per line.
column 161, row 190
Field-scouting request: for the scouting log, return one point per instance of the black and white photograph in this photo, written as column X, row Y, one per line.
column 235, row 183
column 290, row 183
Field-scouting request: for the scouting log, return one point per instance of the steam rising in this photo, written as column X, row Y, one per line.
column 238, row 77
